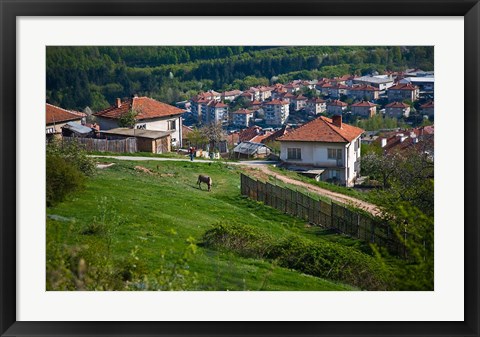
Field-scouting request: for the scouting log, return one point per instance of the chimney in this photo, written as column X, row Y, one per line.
column 337, row 120
column 384, row 142
column 118, row 102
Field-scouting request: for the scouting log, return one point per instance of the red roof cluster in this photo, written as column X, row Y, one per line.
column 322, row 129
column 145, row 107
column 55, row 114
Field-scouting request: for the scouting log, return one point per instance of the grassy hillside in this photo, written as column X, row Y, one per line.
column 136, row 230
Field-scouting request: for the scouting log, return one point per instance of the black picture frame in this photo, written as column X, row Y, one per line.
column 9, row 11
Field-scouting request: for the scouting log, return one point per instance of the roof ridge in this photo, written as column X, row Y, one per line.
column 330, row 125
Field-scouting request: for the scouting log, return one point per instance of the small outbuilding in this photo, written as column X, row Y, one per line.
column 251, row 150
column 147, row 140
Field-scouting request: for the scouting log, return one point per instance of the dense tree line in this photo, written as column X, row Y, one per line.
column 94, row 76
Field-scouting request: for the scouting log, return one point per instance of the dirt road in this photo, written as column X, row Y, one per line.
column 263, row 167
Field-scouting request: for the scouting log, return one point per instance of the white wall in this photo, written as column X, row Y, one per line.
column 316, row 154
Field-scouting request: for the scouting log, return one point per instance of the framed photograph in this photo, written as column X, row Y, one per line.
column 171, row 191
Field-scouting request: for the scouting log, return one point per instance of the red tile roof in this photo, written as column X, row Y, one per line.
column 322, row 129
column 242, row 112
column 427, row 105
column 216, row 104
column 289, row 95
column 261, row 138
column 364, row 103
column 146, row 107
column 397, row 105
column 55, row 114
column 403, row 86
column 337, row 103
column 277, row 134
column 364, row 87
column 247, row 134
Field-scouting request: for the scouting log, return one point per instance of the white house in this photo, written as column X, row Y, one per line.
column 56, row 118
column 326, row 145
column 276, row 112
column 316, row 106
column 242, row 117
column 299, row 102
column 217, row 112
column 151, row 115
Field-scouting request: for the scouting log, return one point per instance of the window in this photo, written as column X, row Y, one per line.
column 171, row 125
column 141, row 126
column 294, row 153
column 334, row 153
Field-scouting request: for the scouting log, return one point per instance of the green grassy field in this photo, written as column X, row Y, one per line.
column 147, row 229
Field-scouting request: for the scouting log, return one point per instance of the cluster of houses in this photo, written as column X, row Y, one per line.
column 157, row 127
column 274, row 103
column 324, row 148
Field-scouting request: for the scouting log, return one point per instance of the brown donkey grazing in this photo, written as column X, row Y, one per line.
column 204, row 179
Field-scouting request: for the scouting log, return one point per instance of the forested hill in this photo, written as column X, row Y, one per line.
column 78, row 77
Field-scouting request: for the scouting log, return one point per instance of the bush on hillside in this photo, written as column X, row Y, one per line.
column 318, row 258
column 62, row 179
column 74, row 154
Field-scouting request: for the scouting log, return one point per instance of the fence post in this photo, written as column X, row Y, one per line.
column 358, row 225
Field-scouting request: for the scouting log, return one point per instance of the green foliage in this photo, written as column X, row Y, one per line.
column 93, row 267
column 63, row 179
column 379, row 122
column 128, row 120
column 73, row 153
column 72, row 72
column 321, row 259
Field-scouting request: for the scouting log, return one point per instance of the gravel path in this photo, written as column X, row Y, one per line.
column 263, row 167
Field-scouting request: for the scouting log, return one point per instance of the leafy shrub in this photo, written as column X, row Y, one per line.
column 62, row 179
column 74, row 154
column 318, row 258
column 242, row 239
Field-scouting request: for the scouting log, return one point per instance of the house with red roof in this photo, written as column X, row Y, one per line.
column 428, row 108
column 56, row 118
column 276, row 112
column 363, row 92
column 336, row 107
column 402, row 92
column 397, row 109
column 151, row 115
column 316, row 106
column 217, row 112
column 242, row 117
column 338, row 90
column 327, row 146
column 364, row 109
column 299, row 102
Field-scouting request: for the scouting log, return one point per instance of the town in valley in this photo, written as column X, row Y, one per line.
column 240, row 168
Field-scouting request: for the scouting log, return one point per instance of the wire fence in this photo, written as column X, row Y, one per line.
column 320, row 213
